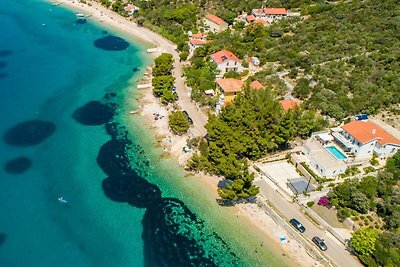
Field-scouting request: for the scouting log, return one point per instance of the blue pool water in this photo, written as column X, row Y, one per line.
column 336, row 152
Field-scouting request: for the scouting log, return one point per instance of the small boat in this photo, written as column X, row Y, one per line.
column 55, row 4
column 62, row 200
column 80, row 15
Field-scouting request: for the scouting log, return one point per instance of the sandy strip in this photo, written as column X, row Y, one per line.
column 257, row 219
column 173, row 145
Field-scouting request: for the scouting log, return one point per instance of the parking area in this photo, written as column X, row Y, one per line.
column 279, row 172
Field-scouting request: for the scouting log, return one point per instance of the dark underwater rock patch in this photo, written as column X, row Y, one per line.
column 3, row 75
column 3, row 64
column 80, row 21
column 5, row 53
column 94, row 113
column 29, row 133
column 136, row 191
column 18, row 165
column 172, row 234
column 3, row 238
column 111, row 43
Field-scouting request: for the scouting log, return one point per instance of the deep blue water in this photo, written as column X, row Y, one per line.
column 62, row 99
column 46, row 73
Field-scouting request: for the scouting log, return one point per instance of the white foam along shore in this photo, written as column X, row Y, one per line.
column 257, row 219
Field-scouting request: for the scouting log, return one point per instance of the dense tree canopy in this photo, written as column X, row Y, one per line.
column 178, row 122
column 163, row 80
column 253, row 125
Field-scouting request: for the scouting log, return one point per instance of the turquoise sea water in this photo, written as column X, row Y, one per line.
column 125, row 206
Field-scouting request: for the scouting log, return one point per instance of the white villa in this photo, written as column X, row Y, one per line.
column 331, row 152
column 226, row 61
column 322, row 160
column 363, row 139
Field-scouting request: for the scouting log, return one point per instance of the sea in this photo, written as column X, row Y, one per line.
column 82, row 182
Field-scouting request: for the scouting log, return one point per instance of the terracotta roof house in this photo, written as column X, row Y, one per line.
column 269, row 14
column 275, row 11
column 215, row 24
column 197, row 40
column 263, row 22
column 130, row 9
column 226, row 61
column 230, row 88
column 289, row 104
column 363, row 139
column 250, row 18
column 256, row 85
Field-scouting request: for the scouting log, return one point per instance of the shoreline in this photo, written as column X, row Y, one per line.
column 172, row 146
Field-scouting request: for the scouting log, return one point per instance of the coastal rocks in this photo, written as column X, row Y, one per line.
column 5, row 53
column 94, row 113
column 174, row 236
column 111, row 43
column 18, row 165
column 29, row 133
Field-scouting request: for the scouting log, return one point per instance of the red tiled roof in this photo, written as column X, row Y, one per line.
column 275, row 11
column 250, row 18
column 215, row 19
column 224, row 55
column 256, row 85
column 130, row 7
column 200, row 35
column 289, row 104
column 365, row 131
column 261, row 21
column 197, row 42
column 230, row 85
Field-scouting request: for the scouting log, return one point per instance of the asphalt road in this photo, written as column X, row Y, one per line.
column 336, row 251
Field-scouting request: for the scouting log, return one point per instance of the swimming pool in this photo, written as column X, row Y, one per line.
column 335, row 152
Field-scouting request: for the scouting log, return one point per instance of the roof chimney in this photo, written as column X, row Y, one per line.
column 373, row 131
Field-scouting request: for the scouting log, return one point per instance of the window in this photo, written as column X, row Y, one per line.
column 227, row 63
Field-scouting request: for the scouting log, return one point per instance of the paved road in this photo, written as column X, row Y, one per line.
column 198, row 117
column 336, row 251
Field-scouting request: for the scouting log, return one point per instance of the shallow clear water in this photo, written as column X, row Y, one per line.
column 49, row 68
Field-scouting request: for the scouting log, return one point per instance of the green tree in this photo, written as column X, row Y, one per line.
column 387, row 251
column 364, row 240
column 178, row 122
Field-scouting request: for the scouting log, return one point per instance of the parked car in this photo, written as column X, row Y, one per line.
column 297, row 225
column 320, row 243
column 189, row 119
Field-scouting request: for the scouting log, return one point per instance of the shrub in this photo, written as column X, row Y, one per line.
column 355, row 218
column 310, row 204
column 178, row 122
column 370, row 218
column 323, row 201
column 319, row 188
column 362, row 217
column 343, row 213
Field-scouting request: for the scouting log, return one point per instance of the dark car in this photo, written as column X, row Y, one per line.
column 320, row 243
column 189, row 119
column 297, row 225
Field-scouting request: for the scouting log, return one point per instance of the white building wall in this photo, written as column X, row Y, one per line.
column 363, row 150
column 386, row 151
column 228, row 66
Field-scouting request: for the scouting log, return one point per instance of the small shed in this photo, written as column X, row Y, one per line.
column 209, row 92
column 300, row 185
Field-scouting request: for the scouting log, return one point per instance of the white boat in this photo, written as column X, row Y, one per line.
column 62, row 200
column 80, row 15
